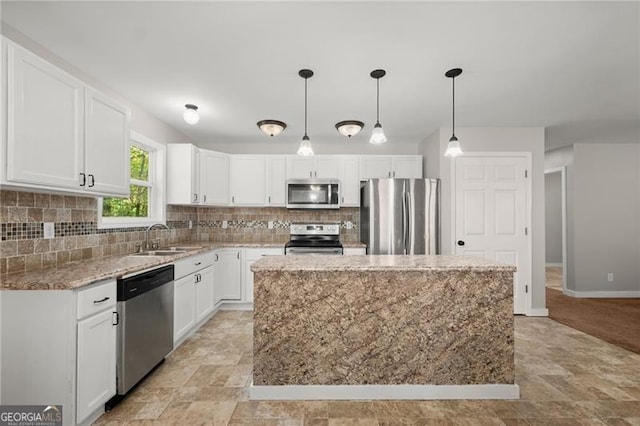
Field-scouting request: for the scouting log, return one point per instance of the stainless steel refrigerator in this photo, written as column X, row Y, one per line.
column 400, row 216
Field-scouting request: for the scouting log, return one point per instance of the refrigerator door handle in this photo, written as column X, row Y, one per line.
column 405, row 221
column 408, row 243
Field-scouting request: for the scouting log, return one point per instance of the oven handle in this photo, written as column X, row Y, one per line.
column 311, row 250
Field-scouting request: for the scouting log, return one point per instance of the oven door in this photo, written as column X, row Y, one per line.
column 313, row 194
column 313, row 251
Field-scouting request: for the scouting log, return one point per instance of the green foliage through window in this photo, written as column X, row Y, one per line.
column 137, row 205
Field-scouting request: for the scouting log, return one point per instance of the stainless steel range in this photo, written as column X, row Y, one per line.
column 314, row 239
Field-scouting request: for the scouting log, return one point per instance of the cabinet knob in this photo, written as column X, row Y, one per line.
column 310, row 173
column 195, row 197
column 84, row 179
column 460, row 242
column 394, row 174
column 204, row 198
column 93, row 181
column 389, row 174
column 269, row 199
column 233, row 198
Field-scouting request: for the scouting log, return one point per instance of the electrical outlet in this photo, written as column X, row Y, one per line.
column 610, row 277
column 49, row 230
column 270, row 224
column 349, row 224
column 190, row 224
column 225, row 224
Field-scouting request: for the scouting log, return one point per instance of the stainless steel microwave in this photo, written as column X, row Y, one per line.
column 313, row 194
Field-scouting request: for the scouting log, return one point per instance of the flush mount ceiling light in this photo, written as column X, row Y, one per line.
column 453, row 148
column 271, row 127
column 190, row 114
column 349, row 127
column 305, row 148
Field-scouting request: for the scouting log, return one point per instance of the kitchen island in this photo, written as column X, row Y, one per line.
column 382, row 327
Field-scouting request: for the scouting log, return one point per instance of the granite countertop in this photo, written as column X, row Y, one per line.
column 377, row 263
column 77, row 274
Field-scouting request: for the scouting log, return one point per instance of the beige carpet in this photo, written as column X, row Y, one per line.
column 616, row 321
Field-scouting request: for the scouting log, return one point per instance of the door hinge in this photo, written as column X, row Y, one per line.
column 526, row 231
column 526, row 288
column 526, row 173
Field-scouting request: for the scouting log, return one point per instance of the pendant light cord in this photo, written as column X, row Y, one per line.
column 377, row 100
column 305, row 106
column 453, row 107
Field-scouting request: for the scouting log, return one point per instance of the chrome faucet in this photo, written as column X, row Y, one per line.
column 146, row 242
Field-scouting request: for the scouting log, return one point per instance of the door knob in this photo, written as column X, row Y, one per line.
column 460, row 242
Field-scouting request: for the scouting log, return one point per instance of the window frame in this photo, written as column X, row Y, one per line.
column 157, row 184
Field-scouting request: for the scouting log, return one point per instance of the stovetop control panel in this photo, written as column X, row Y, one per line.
column 315, row 229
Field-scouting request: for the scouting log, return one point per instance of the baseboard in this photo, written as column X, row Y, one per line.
column 393, row 392
column 555, row 265
column 236, row 307
column 602, row 294
column 538, row 312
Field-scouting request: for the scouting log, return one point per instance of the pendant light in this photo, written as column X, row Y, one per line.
column 305, row 148
column 349, row 128
column 272, row 127
column 377, row 135
column 190, row 114
column 453, row 148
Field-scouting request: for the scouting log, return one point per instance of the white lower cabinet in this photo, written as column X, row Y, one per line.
column 58, row 347
column 204, row 293
column 192, row 293
column 251, row 255
column 227, row 275
column 96, row 362
column 350, row 251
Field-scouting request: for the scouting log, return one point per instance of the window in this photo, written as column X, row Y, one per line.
column 145, row 204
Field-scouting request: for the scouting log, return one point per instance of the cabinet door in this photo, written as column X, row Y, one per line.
column 276, row 180
column 375, row 166
column 184, row 309
column 248, row 180
column 227, row 272
column 300, row 167
column 349, row 181
column 251, row 255
column 204, row 293
column 106, row 145
column 96, row 366
column 44, row 123
column 214, row 178
column 182, row 174
column 407, row 166
column 327, row 167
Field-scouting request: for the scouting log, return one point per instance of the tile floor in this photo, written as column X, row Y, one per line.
column 554, row 277
column 566, row 377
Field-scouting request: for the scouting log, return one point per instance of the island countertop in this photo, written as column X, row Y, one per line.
column 377, row 263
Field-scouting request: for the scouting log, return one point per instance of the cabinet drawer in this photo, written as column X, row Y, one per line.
column 96, row 298
column 192, row 264
column 257, row 253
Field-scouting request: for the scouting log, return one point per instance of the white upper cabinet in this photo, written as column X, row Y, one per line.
column 183, row 174
column 391, row 166
column 214, row 178
column 248, row 183
column 318, row 166
column 276, row 180
column 407, row 166
column 60, row 133
column 106, row 144
column 349, row 181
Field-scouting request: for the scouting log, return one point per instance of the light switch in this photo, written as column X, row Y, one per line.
column 349, row 224
column 225, row 224
column 270, row 224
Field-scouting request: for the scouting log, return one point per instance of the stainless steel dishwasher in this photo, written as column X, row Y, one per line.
column 145, row 326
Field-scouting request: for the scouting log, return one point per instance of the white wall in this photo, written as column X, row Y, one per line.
column 496, row 139
column 141, row 121
column 606, row 207
column 553, row 217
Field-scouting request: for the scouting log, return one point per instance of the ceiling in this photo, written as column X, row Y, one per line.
column 572, row 67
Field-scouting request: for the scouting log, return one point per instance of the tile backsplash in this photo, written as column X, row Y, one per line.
column 77, row 237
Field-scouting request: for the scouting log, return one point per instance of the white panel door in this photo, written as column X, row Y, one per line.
column 407, row 166
column 184, row 306
column 300, row 167
column 106, row 145
column 375, row 166
column 45, row 140
column 276, row 180
column 204, row 293
column 491, row 215
column 214, row 178
column 327, row 167
column 227, row 275
column 349, row 181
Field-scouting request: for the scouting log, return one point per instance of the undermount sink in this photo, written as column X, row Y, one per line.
column 168, row 252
